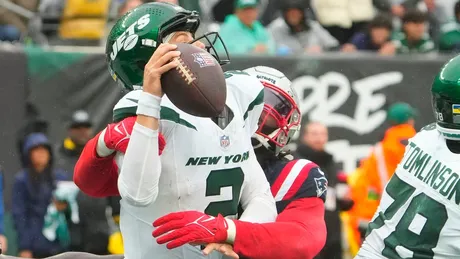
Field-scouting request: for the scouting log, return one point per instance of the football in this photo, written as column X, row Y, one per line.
column 197, row 85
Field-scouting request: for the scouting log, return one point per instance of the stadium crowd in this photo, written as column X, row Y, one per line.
column 50, row 215
column 285, row 27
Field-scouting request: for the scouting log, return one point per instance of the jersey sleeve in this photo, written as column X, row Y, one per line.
column 256, row 199
column 298, row 179
column 140, row 168
column 96, row 176
column 298, row 233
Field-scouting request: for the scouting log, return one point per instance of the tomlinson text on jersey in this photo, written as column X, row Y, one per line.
column 437, row 175
column 214, row 160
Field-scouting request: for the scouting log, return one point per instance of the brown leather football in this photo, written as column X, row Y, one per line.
column 197, row 86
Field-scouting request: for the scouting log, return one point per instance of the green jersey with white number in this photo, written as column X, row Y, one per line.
column 419, row 213
column 203, row 167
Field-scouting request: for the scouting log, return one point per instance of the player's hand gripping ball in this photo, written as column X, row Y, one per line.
column 197, row 85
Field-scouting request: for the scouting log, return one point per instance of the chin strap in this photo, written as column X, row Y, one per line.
column 265, row 141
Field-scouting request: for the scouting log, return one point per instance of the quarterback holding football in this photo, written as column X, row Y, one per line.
column 206, row 164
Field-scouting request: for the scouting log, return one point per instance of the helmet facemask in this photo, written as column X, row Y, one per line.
column 190, row 22
column 279, row 121
column 210, row 40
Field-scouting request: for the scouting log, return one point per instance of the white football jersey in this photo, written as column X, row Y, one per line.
column 419, row 213
column 204, row 168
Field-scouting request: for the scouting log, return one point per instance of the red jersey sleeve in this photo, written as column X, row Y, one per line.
column 94, row 175
column 299, row 232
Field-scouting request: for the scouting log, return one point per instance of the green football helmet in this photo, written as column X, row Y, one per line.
column 138, row 33
column 445, row 93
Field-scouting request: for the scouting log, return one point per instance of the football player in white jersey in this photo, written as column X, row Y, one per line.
column 419, row 213
column 298, row 185
column 207, row 164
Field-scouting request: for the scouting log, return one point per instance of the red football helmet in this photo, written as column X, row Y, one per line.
column 280, row 118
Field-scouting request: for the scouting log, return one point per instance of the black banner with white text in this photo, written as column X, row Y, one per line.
column 348, row 93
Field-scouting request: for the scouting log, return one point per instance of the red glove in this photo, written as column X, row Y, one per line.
column 190, row 227
column 117, row 135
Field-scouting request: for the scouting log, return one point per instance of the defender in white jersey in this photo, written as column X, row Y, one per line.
column 208, row 164
column 419, row 213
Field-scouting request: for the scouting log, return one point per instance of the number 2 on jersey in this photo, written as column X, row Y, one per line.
column 420, row 226
column 218, row 179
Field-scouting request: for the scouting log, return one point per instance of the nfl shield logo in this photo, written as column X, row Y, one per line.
column 224, row 141
column 204, row 59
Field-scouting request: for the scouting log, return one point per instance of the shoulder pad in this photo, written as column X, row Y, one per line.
column 126, row 106
column 429, row 127
column 248, row 90
column 426, row 134
column 300, row 179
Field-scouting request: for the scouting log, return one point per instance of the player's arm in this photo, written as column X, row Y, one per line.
column 256, row 198
column 94, row 174
column 141, row 166
column 299, row 232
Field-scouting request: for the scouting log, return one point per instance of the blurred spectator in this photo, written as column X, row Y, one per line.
column 450, row 33
column 242, row 33
column 91, row 233
column 12, row 25
column 217, row 10
column 439, row 12
column 343, row 18
column 33, row 123
column 79, row 131
column 378, row 33
column 128, row 5
column 413, row 38
column 3, row 241
column 398, row 8
column 9, row 33
column 294, row 32
column 312, row 147
column 62, row 210
column 32, row 193
column 368, row 182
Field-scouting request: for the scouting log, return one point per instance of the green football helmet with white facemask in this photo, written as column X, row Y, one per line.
column 445, row 93
column 138, row 33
